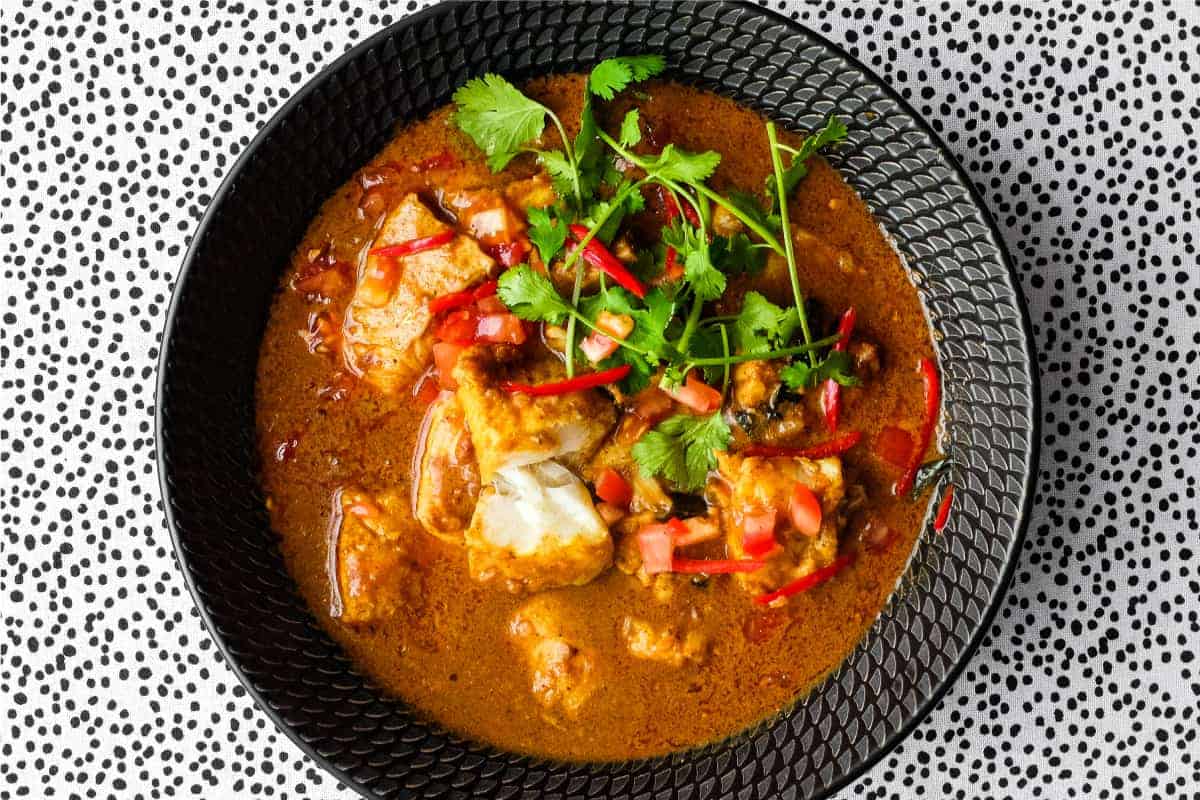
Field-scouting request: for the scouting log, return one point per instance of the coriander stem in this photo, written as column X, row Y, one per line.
column 767, row 356
column 777, row 165
column 690, row 326
column 725, row 351
column 573, row 259
column 701, row 189
column 570, row 153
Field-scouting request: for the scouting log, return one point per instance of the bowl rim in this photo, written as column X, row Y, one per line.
column 922, row 710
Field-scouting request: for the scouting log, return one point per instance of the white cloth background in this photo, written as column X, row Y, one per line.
column 1078, row 121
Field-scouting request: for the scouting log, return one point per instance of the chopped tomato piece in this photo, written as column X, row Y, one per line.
column 500, row 329
column 445, row 356
column 511, row 253
column 597, row 347
column 758, row 532
column 894, row 445
column 651, row 405
column 614, row 489
column 696, row 395
column 458, row 327
column 486, row 289
column 715, row 566
column 806, row 582
column 491, row 304
column 656, row 547
column 806, row 510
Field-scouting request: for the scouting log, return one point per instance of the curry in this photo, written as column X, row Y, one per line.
column 576, row 438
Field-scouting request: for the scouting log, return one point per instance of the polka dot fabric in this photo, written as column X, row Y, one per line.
column 1077, row 123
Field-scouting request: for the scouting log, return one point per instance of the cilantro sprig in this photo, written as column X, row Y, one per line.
column 671, row 335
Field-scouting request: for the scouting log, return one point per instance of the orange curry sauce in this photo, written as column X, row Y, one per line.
column 453, row 658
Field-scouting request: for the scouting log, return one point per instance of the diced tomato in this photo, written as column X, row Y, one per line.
column 445, row 356
column 614, row 489
column 597, row 347
column 503, row 328
column 696, row 395
column 652, row 405
column 457, row 326
column 806, row 510
column 379, row 282
column 511, row 253
column 894, row 445
column 486, row 289
column 758, row 532
column 490, row 304
column 656, row 547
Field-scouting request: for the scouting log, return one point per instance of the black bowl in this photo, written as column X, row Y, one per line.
column 205, row 423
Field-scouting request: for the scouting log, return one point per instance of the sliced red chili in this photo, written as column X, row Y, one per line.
column 458, row 326
column 831, row 392
column 832, row 447
column 806, row 582
column 672, row 271
column 933, row 401
column 715, row 566
column 943, row 514
column 576, row 384
column 451, row 301
column 599, row 257
column 485, row 289
column 413, row 246
column 611, row 487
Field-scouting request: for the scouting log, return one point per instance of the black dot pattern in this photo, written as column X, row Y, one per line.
column 1078, row 124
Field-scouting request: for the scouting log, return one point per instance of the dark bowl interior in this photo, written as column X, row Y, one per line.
column 206, row 422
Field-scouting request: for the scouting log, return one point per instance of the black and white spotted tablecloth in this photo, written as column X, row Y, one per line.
column 1077, row 121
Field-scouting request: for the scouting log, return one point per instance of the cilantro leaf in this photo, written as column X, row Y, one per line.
column 762, row 326
column 750, row 205
column 674, row 164
column 836, row 365
column 631, row 134
column 614, row 74
column 497, row 117
column 707, row 281
column 547, row 232
column 589, row 150
column 706, row 343
column 530, row 295
column 681, row 449
column 737, row 255
column 562, row 174
column 834, row 131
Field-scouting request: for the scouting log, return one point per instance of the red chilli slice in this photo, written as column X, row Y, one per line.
column 933, row 402
column 943, row 514
column 803, row 584
column 413, row 246
column 576, row 384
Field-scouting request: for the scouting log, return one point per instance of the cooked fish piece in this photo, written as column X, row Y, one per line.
column 385, row 337
column 369, row 563
column 512, row 429
column 447, row 476
column 535, row 527
column 753, row 484
column 663, row 643
column 563, row 672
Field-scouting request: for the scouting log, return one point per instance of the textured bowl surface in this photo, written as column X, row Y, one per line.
column 229, row 555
